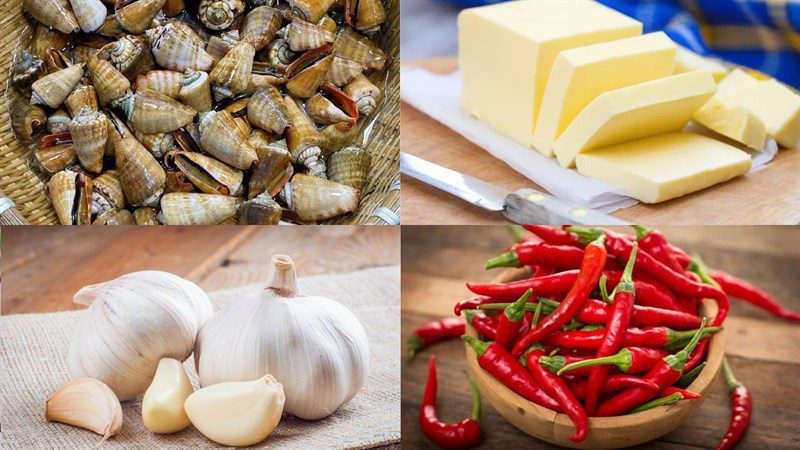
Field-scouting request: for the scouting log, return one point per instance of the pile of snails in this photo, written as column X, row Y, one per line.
column 228, row 112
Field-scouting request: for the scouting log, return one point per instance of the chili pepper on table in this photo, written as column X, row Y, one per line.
column 470, row 303
column 594, row 259
column 681, row 284
column 658, row 337
column 668, row 400
column 555, row 284
column 614, row 383
column 482, row 323
column 506, row 369
column 654, row 242
column 665, row 373
column 741, row 409
column 688, row 395
column 552, row 235
column 433, row 332
column 627, row 360
column 509, row 323
column 741, row 289
column 464, row 434
column 689, row 376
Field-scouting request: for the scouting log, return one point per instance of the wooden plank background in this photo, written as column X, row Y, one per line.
column 43, row 267
column 764, row 351
column 767, row 197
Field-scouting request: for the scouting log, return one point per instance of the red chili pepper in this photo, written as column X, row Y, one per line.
column 688, row 305
column 665, row 373
column 614, row 383
column 675, row 397
column 432, row 332
column 550, row 285
column 688, row 395
column 657, row 337
column 538, row 254
column 470, row 303
column 594, row 259
column 647, row 294
column 742, row 409
column 506, row 369
column 482, row 323
column 681, row 256
column 526, row 323
column 509, row 323
column 541, row 271
column 557, row 388
column 464, row 434
column 521, row 236
column 621, row 248
column 741, row 289
column 653, row 242
column 628, row 360
column 596, row 312
column 553, row 235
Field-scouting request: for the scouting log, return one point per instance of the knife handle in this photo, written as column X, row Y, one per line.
column 527, row 206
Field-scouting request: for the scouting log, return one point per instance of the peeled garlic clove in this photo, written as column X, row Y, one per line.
column 86, row 403
column 237, row 413
column 162, row 405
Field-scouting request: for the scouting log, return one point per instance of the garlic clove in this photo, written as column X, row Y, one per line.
column 237, row 413
column 86, row 403
column 162, row 405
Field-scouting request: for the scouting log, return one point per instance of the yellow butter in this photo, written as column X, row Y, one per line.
column 506, row 52
column 666, row 166
column 689, row 61
column 777, row 106
column 726, row 115
column 580, row 74
column 634, row 112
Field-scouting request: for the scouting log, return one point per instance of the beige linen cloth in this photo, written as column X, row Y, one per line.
column 34, row 349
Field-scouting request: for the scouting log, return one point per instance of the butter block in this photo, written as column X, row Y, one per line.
column 689, row 61
column 726, row 115
column 777, row 106
column 506, row 51
column 634, row 112
column 666, row 166
column 579, row 75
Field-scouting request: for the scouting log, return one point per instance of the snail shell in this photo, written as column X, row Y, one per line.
column 355, row 47
column 232, row 72
column 130, row 55
column 150, row 112
column 337, row 136
column 328, row 24
column 272, row 170
column 331, row 106
column 58, row 122
column 180, row 208
column 84, row 96
column 53, row 89
column 313, row 198
column 71, row 195
column 302, row 35
column 350, row 167
column 304, row 140
column 366, row 15
column 222, row 138
column 306, row 72
column 167, row 82
column 208, row 174
column 90, row 14
column 107, row 192
column 279, row 54
column 145, row 216
column 364, row 93
column 109, row 82
column 25, row 69
column 115, row 217
column 89, row 134
column 267, row 110
column 342, row 71
column 195, row 90
column 262, row 210
column 260, row 25
column 53, row 158
column 175, row 47
column 177, row 182
column 310, row 10
column 27, row 120
column 159, row 144
column 135, row 16
column 52, row 13
column 219, row 14
column 141, row 175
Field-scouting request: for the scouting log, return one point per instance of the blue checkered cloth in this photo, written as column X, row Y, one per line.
column 760, row 34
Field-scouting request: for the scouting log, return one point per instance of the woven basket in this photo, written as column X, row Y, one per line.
column 380, row 199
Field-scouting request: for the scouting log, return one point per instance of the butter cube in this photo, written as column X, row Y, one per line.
column 666, row 166
column 506, row 52
column 689, row 61
column 580, row 74
column 634, row 112
column 775, row 105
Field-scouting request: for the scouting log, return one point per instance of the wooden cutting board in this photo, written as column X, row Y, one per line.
column 769, row 196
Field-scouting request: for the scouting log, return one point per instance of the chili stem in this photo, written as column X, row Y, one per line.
column 476, row 399
column 668, row 400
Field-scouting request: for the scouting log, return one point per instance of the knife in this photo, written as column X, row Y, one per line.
column 525, row 206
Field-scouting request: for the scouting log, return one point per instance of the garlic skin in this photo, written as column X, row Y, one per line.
column 132, row 322
column 314, row 346
column 237, row 413
column 162, row 405
column 86, row 403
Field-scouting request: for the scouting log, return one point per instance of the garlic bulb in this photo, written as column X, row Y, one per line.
column 133, row 322
column 314, row 346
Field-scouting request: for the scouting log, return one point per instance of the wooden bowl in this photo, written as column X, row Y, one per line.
column 604, row 432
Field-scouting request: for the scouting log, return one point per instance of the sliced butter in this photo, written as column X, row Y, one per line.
column 664, row 167
column 634, row 112
column 579, row 75
column 775, row 105
column 506, row 52
column 689, row 61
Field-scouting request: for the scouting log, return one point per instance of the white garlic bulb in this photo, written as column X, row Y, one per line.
column 132, row 322
column 314, row 346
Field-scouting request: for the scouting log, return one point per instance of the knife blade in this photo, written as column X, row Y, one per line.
column 522, row 206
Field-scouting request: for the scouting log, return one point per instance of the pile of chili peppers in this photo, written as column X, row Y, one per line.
column 608, row 324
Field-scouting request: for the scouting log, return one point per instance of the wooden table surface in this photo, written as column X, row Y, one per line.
column 763, row 351
column 43, row 267
column 769, row 196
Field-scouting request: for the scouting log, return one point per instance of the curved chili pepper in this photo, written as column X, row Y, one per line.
column 596, row 312
column 432, row 332
column 741, row 409
column 482, row 323
column 506, row 369
column 679, row 255
column 470, row 303
column 538, row 254
column 628, row 360
column 689, row 375
column 557, row 388
column 688, row 395
column 553, row 235
column 741, row 289
column 653, row 241
column 675, row 397
column 614, row 383
column 526, row 322
column 594, row 259
column 665, row 373
column 681, row 284
column 647, row 294
column 658, row 337
column 555, row 284
column 464, row 434
column 509, row 323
